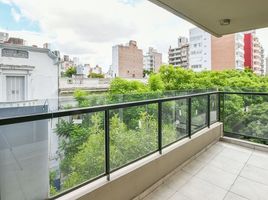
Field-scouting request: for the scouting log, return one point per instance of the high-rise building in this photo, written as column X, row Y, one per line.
column 127, row 61
column 3, row 37
column 254, row 53
column 152, row 60
column 199, row 50
column 179, row 57
column 227, row 52
column 210, row 53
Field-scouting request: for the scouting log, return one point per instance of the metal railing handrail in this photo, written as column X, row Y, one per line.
column 102, row 108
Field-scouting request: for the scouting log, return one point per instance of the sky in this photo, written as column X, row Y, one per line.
column 88, row 28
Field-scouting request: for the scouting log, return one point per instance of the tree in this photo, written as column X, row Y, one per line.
column 70, row 72
column 156, row 83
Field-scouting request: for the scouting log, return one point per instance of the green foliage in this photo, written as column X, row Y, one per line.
column 121, row 86
column 70, row 72
column 156, row 83
column 81, row 97
column 147, row 73
column 95, row 75
column 133, row 131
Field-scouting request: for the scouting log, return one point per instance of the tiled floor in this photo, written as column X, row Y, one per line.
column 223, row 172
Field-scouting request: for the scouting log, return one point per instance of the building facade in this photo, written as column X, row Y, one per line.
column 254, row 53
column 127, row 61
column 200, row 50
column 152, row 61
column 210, row 53
column 179, row 56
column 28, row 85
column 227, row 52
column 24, row 70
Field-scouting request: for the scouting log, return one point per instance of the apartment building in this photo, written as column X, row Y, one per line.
column 199, row 50
column 254, row 53
column 227, row 52
column 209, row 53
column 179, row 56
column 127, row 61
column 152, row 61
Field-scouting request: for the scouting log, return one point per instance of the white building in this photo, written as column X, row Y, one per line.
column 179, row 56
column 28, row 85
column 76, row 61
column 200, row 50
column 210, row 53
column 3, row 37
column 83, row 70
column 152, row 61
column 24, row 71
column 258, row 56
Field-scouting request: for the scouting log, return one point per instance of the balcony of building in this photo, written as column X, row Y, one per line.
column 174, row 147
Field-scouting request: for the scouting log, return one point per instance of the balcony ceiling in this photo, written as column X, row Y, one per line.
column 244, row 14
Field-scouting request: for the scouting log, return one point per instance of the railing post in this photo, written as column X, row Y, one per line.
column 208, row 112
column 107, row 144
column 189, row 124
column 160, row 127
column 219, row 106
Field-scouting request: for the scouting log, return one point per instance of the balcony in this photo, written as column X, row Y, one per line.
column 137, row 146
column 222, row 171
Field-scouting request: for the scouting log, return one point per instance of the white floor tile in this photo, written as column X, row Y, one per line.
column 217, row 177
column 197, row 189
column 250, row 189
column 256, row 174
column 232, row 196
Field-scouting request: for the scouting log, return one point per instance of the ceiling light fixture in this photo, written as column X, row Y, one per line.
column 225, row 22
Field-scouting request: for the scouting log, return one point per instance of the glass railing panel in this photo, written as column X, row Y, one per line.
column 174, row 121
column 23, row 160
column 245, row 116
column 77, row 151
column 199, row 113
column 214, row 108
column 133, row 134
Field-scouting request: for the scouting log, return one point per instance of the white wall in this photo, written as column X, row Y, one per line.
column 41, row 82
column 200, row 50
column 115, row 61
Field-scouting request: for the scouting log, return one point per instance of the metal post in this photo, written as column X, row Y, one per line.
column 189, row 124
column 219, row 106
column 160, row 127
column 208, row 112
column 223, row 110
column 107, row 145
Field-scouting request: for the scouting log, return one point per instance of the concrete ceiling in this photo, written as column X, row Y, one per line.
column 207, row 14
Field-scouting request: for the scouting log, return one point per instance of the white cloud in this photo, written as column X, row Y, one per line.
column 89, row 28
column 15, row 15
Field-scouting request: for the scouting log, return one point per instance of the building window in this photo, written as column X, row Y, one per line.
column 15, row 88
column 15, row 53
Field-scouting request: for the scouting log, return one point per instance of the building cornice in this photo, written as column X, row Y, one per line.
column 17, row 67
column 29, row 48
